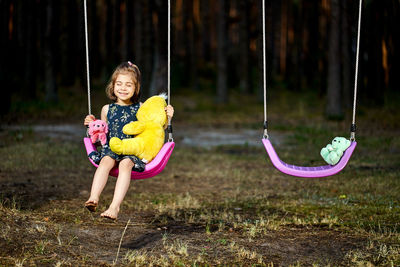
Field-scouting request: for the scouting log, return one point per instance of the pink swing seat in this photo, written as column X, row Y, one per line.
column 153, row 168
column 308, row 172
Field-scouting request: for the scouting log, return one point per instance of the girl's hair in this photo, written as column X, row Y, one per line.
column 129, row 69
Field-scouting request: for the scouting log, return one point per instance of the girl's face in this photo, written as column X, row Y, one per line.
column 124, row 88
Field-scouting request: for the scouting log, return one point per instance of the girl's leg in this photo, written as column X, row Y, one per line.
column 99, row 181
column 121, row 187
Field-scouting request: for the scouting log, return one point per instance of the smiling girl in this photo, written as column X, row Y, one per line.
column 124, row 90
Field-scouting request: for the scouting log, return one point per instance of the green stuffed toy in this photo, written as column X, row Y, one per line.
column 333, row 152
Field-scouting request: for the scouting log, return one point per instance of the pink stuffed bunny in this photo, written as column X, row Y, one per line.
column 98, row 130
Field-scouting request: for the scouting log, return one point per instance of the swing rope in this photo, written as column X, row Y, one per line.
column 264, row 75
column 169, row 127
column 353, row 124
column 160, row 161
column 87, row 59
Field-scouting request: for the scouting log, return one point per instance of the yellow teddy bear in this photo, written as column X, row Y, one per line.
column 148, row 130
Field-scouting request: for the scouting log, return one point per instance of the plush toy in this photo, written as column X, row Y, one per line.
column 148, row 130
column 98, row 130
column 333, row 152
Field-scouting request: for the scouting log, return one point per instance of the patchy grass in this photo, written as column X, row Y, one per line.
column 220, row 206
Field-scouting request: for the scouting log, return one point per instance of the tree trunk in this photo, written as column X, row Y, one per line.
column 393, row 55
column 222, row 86
column 213, row 21
column 30, row 70
column 259, row 54
column 68, row 57
column 159, row 72
column 375, row 86
column 138, row 36
column 295, row 65
column 244, row 72
column 194, row 45
column 345, row 47
column 6, row 45
column 124, row 20
column 101, row 7
column 187, row 40
column 323, row 43
column 205, row 30
column 283, row 41
column 114, row 34
column 333, row 107
column 311, row 49
column 130, row 32
column 49, row 55
column 148, row 51
column 276, row 35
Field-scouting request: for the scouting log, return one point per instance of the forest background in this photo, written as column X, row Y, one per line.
column 216, row 50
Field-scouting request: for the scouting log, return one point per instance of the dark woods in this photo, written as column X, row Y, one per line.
column 216, row 46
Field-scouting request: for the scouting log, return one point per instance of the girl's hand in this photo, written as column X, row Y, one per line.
column 88, row 119
column 170, row 111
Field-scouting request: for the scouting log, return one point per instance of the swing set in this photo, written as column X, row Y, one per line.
column 160, row 161
column 319, row 171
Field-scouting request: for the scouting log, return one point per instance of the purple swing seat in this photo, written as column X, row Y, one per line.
column 153, row 168
column 308, row 172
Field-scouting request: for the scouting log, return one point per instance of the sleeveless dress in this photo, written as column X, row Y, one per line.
column 117, row 117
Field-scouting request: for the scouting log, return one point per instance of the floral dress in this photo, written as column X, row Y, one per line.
column 117, row 117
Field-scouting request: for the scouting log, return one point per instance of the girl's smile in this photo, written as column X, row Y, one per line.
column 124, row 88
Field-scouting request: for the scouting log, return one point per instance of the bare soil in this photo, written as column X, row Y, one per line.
column 43, row 221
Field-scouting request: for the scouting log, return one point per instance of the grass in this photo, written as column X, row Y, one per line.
column 220, row 206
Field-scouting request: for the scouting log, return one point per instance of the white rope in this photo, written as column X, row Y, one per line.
column 87, row 59
column 352, row 136
column 169, row 51
column 264, row 71
column 168, row 67
column 170, row 138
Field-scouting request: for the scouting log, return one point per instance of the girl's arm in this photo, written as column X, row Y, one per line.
column 104, row 112
column 89, row 118
column 170, row 113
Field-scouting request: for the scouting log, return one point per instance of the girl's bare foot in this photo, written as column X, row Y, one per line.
column 111, row 213
column 91, row 204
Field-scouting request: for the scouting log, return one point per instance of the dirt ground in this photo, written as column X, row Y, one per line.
column 54, row 212
column 191, row 214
